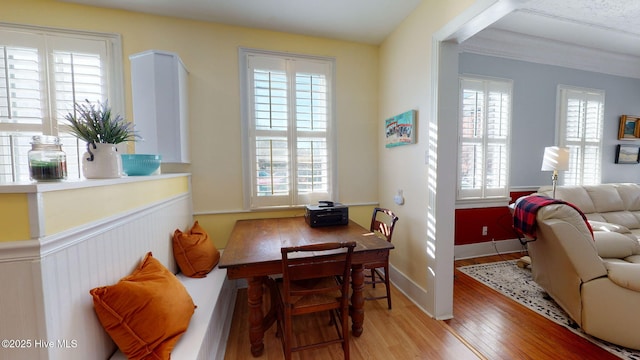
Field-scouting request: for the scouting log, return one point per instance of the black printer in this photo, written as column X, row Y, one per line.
column 326, row 213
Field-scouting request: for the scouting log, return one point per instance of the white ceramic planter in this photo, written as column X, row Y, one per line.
column 101, row 161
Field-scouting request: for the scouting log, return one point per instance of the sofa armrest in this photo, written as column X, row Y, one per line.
column 626, row 275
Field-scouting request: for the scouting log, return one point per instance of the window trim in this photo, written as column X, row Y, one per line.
column 247, row 161
column 115, row 89
column 485, row 200
column 561, row 125
column 52, row 122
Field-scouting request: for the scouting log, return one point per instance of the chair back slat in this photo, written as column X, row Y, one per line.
column 383, row 221
column 316, row 270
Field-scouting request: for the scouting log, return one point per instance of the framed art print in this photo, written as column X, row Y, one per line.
column 629, row 128
column 627, row 154
column 400, row 129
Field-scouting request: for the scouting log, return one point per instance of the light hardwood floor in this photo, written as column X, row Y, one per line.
column 486, row 325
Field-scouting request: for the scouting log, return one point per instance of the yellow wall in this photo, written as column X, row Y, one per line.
column 32, row 215
column 14, row 217
column 219, row 226
column 66, row 209
column 406, row 83
column 210, row 52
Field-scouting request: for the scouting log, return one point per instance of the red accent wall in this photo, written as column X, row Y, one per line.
column 498, row 220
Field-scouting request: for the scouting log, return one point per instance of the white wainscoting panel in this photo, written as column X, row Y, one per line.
column 59, row 310
column 20, row 311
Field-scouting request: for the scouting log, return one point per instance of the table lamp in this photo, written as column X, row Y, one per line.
column 555, row 158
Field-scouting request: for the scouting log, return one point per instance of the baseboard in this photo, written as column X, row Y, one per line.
column 410, row 289
column 487, row 248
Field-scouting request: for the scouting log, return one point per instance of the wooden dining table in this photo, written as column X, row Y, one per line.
column 253, row 253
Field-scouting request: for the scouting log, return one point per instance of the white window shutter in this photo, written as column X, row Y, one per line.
column 484, row 132
column 580, row 130
column 288, row 123
column 34, row 97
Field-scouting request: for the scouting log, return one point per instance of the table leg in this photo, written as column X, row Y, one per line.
column 357, row 299
column 256, row 330
column 272, row 315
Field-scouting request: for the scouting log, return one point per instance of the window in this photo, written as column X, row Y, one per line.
column 288, row 129
column 483, row 144
column 580, row 130
column 43, row 72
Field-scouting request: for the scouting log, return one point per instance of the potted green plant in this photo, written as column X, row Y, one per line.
column 102, row 131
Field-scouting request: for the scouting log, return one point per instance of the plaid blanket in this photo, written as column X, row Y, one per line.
column 524, row 216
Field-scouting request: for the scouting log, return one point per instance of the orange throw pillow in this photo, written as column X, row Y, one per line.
column 146, row 312
column 194, row 252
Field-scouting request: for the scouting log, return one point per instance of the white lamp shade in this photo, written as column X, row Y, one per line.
column 555, row 158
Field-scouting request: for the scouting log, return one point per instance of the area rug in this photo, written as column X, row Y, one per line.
column 517, row 283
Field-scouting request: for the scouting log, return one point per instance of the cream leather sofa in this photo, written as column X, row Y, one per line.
column 596, row 280
column 609, row 207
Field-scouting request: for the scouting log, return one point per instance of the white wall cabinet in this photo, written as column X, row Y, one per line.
column 160, row 106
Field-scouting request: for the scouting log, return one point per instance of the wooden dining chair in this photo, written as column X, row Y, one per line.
column 309, row 284
column 382, row 223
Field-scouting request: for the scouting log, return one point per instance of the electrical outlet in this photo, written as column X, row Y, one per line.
column 485, row 230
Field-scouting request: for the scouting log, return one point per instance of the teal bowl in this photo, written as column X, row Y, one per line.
column 140, row 164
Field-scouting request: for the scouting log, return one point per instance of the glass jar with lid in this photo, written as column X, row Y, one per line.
column 47, row 161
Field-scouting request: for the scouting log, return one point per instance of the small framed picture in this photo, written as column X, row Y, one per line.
column 400, row 129
column 627, row 154
column 629, row 128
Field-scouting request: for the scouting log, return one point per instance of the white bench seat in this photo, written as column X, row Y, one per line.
column 208, row 331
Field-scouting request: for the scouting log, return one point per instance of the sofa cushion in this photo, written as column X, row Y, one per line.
column 615, row 245
column 605, row 198
column 636, row 233
column 595, row 217
column 630, row 194
column 576, row 195
column 624, row 218
column 635, row 258
column 605, row 226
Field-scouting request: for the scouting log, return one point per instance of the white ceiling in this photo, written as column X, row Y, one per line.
column 608, row 25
